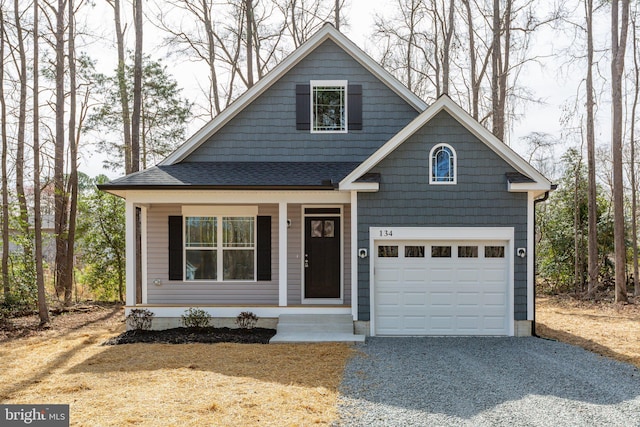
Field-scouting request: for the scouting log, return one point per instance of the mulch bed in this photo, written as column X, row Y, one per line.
column 208, row 335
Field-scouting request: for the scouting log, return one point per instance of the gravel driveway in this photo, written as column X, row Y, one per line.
column 486, row 382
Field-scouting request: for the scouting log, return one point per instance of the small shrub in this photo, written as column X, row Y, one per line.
column 196, row 318
column 246, row 320
column 140, row 319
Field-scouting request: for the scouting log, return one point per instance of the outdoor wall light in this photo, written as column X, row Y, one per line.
column 362, row 253
column 288, row 223
column 521, row 252
column 157, row 282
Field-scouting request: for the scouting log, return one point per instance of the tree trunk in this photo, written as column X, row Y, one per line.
column 135, row 140
column 577, row 269
column 618, row 46
column 249, row 35
column 447, row 47
column 43, row 310
column 591, row 162
column 475, row 84
column 5, row 181
column 20, row 135
column 137, row 88
column 73, row 159
column 337, row 14
column 634, row 184
column 211, row 51
column 495, row 72
column 58, row 172
column 124, row 94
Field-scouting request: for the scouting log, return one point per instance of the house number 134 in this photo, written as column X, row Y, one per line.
column 386, row 233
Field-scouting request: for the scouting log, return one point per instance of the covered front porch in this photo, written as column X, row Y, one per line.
column 286, row 288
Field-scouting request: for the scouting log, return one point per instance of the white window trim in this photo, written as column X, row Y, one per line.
column 455, row 165
column 219, row 212
column 345, row 84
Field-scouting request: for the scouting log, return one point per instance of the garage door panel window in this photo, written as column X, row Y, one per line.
column 440, row 251
column 494, row 251
column 387, row 251
column 467, row 252
column 414, row 251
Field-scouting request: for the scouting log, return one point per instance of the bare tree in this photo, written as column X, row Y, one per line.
column 137, row 87
column 619, row 27
column 5, row 173
column 124, row 94
column 632, row 149
column 591, row 160
column 43, row 311
column 60, row 199
column 22, row 121
column 72, row 184
column 248, row 9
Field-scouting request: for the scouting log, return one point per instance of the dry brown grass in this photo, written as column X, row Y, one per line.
column 604, row 328
column 173, row 385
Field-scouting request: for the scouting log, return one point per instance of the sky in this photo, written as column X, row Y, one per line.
column 544, row 80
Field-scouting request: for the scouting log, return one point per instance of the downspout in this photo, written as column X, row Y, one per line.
column 535, row 202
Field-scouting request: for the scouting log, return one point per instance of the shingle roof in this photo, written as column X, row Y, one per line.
column 231, row 175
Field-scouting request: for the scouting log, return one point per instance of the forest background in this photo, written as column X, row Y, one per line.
column 96, row 89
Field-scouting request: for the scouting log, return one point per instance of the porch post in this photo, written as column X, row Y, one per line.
column 130, row 250
column 282, row 254
column 354, row 255
column 143, row 251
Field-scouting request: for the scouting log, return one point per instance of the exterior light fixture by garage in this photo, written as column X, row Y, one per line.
column 521, row 252
column 362, row 253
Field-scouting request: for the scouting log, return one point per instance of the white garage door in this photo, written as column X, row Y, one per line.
column 441, row 288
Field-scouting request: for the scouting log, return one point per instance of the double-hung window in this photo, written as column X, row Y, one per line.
column 219, row 247
column 329, row 106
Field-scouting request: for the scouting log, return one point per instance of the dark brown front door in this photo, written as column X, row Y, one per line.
column 322, row 257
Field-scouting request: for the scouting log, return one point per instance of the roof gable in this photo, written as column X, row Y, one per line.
column 536, row 182
column 328, row 32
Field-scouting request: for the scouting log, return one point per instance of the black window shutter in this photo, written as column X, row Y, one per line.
column 355, row 107
column 303, row 107
column 263, row 246
column 175, row 248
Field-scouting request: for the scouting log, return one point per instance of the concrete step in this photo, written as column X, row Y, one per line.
column 315, row 328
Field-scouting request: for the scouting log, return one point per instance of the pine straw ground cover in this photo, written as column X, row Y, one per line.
column 165, row 384
column 602, row 327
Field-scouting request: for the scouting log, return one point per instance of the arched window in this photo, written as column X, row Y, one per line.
column 442, row 169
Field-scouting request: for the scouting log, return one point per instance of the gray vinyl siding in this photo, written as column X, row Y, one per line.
column 194, row 293
column 266, row 129
column 479, row 199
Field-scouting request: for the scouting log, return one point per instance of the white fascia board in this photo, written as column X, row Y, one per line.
column 209, row 197
column 364, row 187
column 525, row 187
column 325, row 33
column 445, row 103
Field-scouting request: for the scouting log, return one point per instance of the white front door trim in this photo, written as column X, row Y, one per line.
column 302, row 253
column 443, row 233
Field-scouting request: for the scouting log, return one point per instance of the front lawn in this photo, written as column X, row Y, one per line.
column 163, row 384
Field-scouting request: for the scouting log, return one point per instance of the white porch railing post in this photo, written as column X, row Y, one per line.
column 130, row 249
column 354, row 254
column 282, row 254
